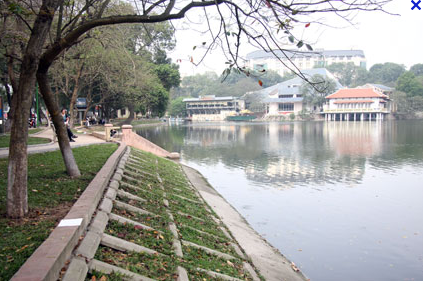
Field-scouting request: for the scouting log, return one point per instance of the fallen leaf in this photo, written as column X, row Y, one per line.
column 260, row 83
column 307, row 25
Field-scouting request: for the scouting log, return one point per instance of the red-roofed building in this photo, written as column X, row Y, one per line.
column 356, row 104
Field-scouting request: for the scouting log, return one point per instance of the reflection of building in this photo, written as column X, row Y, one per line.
column 286, row 98
column 354, row 139
column 211, row 108
column 356, row 104
column 259, row 60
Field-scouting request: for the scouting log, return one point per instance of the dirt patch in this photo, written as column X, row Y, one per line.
column 37, row 215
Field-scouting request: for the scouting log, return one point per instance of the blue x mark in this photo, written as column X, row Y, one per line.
column 416, row 5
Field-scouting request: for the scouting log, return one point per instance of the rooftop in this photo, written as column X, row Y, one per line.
column 209, row 98
column 356, row 93
column 292, row 86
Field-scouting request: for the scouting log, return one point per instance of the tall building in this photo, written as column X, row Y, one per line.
column 262, row 60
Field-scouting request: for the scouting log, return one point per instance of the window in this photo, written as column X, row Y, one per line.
column 286, row 107
column 123, row 111
column 286, row 96
column 260, row 66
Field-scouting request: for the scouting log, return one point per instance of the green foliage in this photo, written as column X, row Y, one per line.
column 177, row 107
column 417, row 69
column 169, row 75
column 408, row 105
column 235, row 84
column 292, row 116
column 314, row 93
column 410, row 84
column 386, row 73
column 349, row 74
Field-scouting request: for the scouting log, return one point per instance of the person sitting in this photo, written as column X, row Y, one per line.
column 66, row 121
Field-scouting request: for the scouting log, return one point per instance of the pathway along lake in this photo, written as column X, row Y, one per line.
column 343, row 200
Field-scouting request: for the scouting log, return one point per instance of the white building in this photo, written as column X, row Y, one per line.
column 259, row 60
column 356, row 105
column 212, row 108
column 286, row 98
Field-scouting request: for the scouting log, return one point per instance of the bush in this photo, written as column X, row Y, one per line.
column 292, row 116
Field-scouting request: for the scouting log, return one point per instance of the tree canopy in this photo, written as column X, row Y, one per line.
column 36, row 33
column 314, row 94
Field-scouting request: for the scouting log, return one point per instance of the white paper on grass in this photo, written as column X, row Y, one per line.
column 70, row 222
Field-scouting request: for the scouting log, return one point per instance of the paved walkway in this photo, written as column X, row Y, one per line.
column 82, row 140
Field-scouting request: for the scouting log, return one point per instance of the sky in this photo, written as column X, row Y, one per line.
column 382, row 37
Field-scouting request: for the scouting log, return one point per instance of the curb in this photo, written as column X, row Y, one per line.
column 271, row 264
column 47, row 261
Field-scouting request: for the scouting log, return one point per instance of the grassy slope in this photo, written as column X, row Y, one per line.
column 51, row 193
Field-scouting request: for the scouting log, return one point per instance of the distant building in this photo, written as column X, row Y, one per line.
column 262, row 60
column 357, row 104
column 392, row 106
column 285, row 97
column 212, row 108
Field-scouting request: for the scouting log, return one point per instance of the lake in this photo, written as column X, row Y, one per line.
column 343, row 200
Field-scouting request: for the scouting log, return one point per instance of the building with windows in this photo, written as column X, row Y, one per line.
column 286, row 98
column 212, row 108
column 262, row 60
column 357, row 104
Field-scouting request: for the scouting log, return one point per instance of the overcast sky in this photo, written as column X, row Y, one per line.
column 382, row 37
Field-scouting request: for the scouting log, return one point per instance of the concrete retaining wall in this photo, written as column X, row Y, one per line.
column 132, row 139
column 46, row 262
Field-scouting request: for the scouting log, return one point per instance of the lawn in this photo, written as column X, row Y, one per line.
column 5, row 140
column 51, row 193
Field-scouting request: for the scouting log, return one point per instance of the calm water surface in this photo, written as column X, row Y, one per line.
column 344, row 201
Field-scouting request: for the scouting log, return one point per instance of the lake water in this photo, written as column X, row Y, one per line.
column 343, row 200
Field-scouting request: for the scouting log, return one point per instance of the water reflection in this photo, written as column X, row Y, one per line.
column 293, row 154
column 348, row 195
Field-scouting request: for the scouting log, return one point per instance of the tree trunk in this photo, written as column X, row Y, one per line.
column 131, row 116
column 17, row 182
column 62, row 135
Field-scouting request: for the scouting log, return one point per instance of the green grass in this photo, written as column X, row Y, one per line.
column 114, row 276
column 153, row 266
column 5, row 140
column 156, row 222
column 216, row 243
column 154, row 206
column 156, row 266
column 146, row 121
column 152, row 239
column 194, row 258
column 51, row 193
